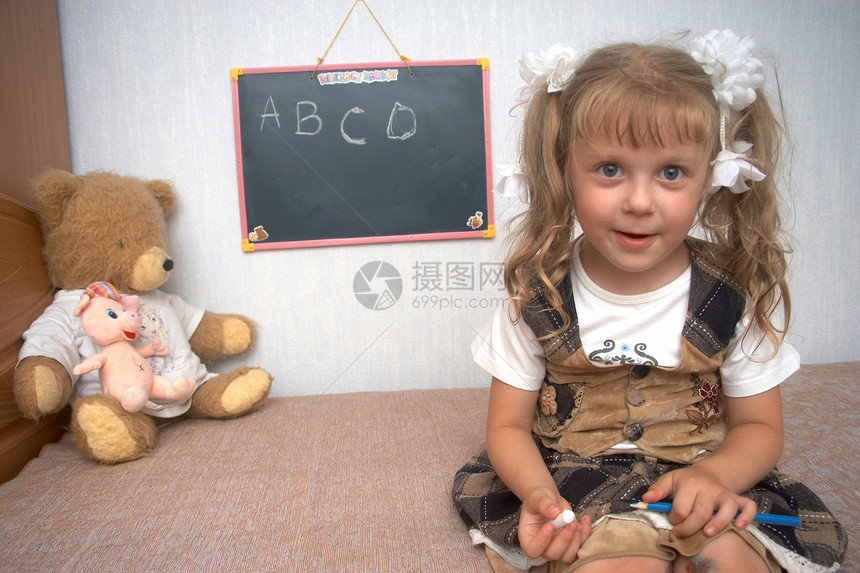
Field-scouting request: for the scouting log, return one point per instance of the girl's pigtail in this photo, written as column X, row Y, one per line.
column 743, row 212
column 542, row 239
column 747, row 227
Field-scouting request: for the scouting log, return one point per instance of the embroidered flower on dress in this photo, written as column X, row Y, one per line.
column 548, row 406
column 709, row 392
column 707, row 411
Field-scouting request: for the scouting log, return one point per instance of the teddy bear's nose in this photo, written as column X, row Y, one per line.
column 168, row 265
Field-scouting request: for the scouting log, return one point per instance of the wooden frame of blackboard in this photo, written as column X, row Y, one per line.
column 290, row 220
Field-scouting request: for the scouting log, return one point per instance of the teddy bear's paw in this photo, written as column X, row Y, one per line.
column 238, row 335
column 107, row 433
column 220, row 335
column 51, row 393
column 231, row 395
column 41, row 386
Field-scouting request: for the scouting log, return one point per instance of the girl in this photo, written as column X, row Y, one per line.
column 636, row 363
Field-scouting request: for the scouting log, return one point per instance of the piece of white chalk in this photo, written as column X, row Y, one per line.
column 565, row 517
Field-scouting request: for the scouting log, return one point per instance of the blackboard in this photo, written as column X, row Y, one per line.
column 363, row 153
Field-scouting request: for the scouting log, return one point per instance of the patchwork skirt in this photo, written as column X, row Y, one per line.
column 608, row 485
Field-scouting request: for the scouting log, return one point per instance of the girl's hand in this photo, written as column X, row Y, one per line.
column 700, row 502
column 539, row 538
column 705, row 494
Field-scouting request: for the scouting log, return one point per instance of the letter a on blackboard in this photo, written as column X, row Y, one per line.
column 267, row 113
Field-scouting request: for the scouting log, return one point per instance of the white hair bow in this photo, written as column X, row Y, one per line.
column 736, row 75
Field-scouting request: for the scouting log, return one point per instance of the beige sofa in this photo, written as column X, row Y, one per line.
column 344, row 482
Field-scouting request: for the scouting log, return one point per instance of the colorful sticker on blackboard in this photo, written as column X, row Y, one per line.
column 357, row 77
column 258, row 234
column 476, row 220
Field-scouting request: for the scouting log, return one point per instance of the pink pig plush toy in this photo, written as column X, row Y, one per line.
column 112, row 322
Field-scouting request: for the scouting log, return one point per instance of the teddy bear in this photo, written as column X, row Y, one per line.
column 106, row 227
column 113, row 323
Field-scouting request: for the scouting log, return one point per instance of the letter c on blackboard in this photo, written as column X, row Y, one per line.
column 349, row 139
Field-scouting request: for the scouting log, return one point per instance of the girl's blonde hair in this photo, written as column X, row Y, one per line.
column 644, row 95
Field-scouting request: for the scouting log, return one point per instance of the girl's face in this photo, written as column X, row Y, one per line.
column 636, row 206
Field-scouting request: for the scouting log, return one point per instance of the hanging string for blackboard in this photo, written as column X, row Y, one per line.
column 402, row 57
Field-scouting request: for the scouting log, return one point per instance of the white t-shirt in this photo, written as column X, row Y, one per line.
column 628, row 329
column 58, row 334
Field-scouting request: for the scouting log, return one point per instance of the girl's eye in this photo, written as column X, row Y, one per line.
column 112, row 314
column 610, row 170
column 672, row 173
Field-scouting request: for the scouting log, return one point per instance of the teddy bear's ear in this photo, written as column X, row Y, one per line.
column 51, row 192
column 163, row 193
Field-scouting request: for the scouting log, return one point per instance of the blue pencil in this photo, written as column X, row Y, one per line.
column 771, row 518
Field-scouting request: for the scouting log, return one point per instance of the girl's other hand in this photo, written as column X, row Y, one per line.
column 539, row 538
column 700, row 502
